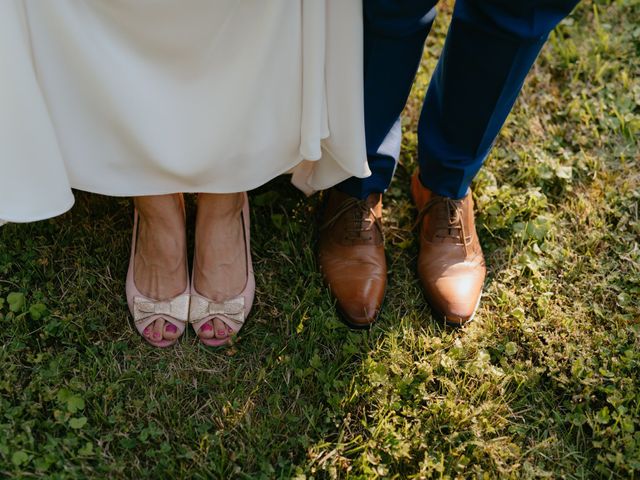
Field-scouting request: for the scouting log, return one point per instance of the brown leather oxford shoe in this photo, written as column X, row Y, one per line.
column 351, row 256
column 450, row 263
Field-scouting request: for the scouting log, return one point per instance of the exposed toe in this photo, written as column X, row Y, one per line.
column 158, row 328
column 148, row 331
column 220, row 328
column 206, row 331
column 170, row 331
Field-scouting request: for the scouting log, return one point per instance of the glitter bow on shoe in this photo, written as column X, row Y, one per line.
column 202, row 308
column 176, row 308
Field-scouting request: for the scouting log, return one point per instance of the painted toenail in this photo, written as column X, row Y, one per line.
column 221, row 333
column 207, row 327
column 171, row 328
column 157, row 336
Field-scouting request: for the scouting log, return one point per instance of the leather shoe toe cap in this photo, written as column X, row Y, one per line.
column 360, row 306
column 456, row 298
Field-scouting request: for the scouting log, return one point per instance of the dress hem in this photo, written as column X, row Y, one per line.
column 39, row 216
column 165, row 191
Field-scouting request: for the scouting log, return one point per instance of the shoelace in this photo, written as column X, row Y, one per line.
column 362, row 214
column 454, row 214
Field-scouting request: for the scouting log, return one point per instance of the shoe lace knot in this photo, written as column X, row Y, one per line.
column 455, row 227
column 362, row 218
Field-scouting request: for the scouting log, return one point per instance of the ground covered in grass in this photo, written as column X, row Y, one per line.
column 545, row 383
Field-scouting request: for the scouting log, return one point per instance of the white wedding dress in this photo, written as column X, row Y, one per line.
column 139, row 97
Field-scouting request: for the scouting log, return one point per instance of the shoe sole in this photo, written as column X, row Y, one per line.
column 353, row 326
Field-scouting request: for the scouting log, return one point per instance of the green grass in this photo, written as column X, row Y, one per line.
column 545, row 383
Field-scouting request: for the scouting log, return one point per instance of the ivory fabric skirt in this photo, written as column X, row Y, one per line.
column 126, row 98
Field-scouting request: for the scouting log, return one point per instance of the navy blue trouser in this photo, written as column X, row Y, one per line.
column 489, row 49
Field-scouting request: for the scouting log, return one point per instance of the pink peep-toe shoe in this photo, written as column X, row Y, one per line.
column 145, row 310
column 232, row 312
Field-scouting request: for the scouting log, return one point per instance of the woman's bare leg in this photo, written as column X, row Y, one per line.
column 160, row 258
column 220, row 268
